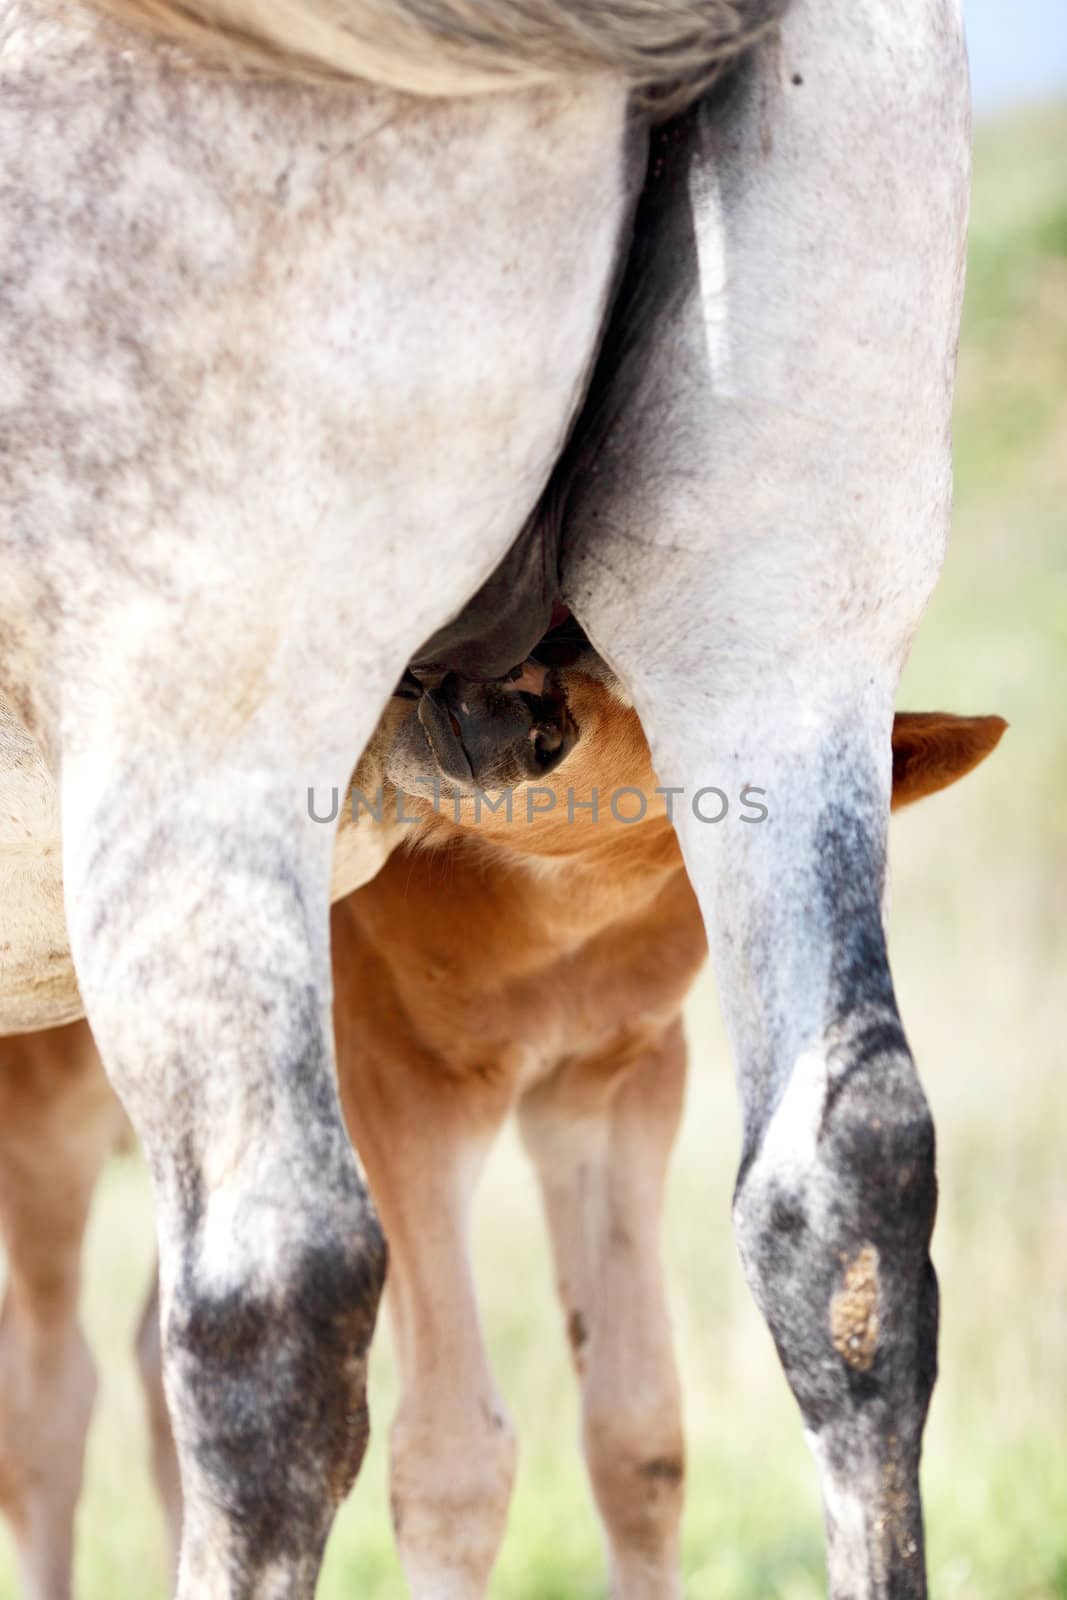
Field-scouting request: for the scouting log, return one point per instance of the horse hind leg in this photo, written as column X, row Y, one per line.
column 601, row 1157
column 59, row 1120
column 202, row 953
column 836, row 1192
column 774, row 486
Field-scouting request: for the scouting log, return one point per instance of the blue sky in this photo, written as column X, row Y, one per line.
column 1018, row 51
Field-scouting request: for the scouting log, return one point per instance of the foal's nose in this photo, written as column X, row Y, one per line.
column 498, row 733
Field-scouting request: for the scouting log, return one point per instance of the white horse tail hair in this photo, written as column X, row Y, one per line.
column 667, row 51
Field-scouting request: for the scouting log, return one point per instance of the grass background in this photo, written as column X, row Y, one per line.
column 979, row 948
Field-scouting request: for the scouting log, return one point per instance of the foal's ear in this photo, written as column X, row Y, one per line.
column 931, row 749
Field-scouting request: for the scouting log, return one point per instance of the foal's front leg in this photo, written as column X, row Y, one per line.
column 601, row 1146
column 59, row 1122
column 198, row 911
column 422, row 1136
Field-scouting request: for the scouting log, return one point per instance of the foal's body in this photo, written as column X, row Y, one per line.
column 540, row 966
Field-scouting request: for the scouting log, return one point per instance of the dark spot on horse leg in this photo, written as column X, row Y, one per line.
column 663, row 1469
column 274, row 1384
column 787, row 1214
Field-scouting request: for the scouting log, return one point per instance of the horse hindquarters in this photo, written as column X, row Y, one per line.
column 258, row 460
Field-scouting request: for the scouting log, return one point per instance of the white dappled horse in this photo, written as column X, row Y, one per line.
column 299, row 304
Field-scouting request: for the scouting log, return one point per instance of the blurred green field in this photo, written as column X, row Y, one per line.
column 979, row 946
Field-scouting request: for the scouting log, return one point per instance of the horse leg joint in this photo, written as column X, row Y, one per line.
column 833, row 1213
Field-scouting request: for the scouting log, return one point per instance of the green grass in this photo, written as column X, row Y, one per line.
column 979, row 946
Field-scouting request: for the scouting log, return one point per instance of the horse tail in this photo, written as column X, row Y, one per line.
column 664, row 50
